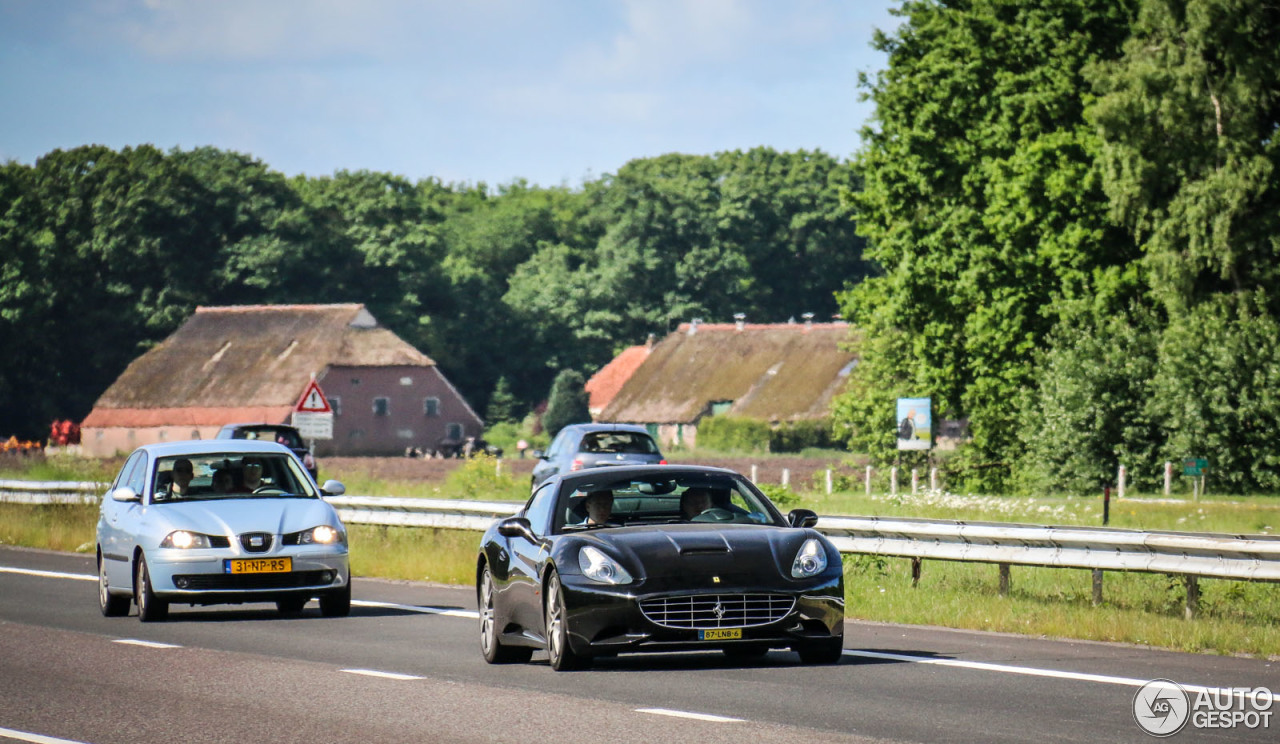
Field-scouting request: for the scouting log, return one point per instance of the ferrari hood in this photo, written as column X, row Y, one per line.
column 693, row 549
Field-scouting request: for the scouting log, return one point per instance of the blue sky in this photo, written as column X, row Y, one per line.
column 551, row 91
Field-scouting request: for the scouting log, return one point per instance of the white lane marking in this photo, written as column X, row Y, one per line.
column 1009, row 669
column 384, row 675
column 35, row 738
column 148, row 644
column 469, row 614
column 47, row 574
column 687, row 714
column 981, row 665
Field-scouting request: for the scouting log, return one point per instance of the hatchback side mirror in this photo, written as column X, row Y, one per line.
column 539, row 454
column 802, row 518
column 333, row 488
column 124, row 493
column 517, row 527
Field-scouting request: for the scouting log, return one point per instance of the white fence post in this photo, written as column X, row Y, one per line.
column 915, row 481
column 868, row 481
column 893, row 480
column 754, row 479
column 933, row 479
column 1120, row 483
column 828, row 481
column 1168, row 478
column 786, row 476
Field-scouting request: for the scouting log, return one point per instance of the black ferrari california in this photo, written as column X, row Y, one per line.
column 656, row 558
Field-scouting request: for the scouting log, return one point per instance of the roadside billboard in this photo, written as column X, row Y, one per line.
column 915, row 423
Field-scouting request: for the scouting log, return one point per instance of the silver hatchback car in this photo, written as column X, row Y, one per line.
column 580, row 446
column 216, row 522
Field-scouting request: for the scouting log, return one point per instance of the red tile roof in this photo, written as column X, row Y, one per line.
column 606, row 383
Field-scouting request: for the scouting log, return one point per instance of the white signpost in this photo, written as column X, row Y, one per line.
column 313, row 416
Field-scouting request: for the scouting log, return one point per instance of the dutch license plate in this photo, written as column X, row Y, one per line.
column 724, row 634
column 259, row 565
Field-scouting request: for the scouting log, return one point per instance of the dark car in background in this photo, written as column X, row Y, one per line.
column 581, row 446
column 278, row 433
column 657, row 558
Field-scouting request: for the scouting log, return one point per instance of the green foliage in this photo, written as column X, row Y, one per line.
column 781, row 496
column 984, row 208
column 797, row 436
column 502, row 404
column 482, row 479
column 567, row 403
column 1217, row 391
column 730, row 434
column 1086, row 417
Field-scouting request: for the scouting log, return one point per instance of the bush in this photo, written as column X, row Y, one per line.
column 726, row 434
column 797, row 436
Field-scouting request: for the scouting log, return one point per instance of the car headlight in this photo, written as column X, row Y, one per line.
column 322, row 535
column 810, row 561
column 599, row 567
column 182, row 539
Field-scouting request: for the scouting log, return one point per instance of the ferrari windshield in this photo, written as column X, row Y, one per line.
column 229, row 475
column 662, row 499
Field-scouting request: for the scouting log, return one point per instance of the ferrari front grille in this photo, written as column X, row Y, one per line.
column 717, row 610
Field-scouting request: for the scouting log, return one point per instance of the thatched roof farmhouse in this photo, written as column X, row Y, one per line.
column 250, row 364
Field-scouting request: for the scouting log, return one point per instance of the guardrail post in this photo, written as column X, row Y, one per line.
column 1168, row 478
column 1004, row 579
column 868, row 481
column 1097, row 587
column 1193, row 597
column 915, row 572
column 786, row 476
column 893, row 481
column 1120, row 483
column 915, row 481
column 828, row 481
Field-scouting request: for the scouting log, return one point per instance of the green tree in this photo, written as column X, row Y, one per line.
column 502, row 404
column 982, row 205
column 567, row 403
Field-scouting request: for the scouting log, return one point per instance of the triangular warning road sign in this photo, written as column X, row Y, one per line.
column 313, row 400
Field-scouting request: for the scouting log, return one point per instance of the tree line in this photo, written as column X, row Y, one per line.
column 1074, row 205
column 105, row 252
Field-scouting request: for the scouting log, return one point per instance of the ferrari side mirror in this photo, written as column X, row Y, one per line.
column 517, row 527
column 802, row 518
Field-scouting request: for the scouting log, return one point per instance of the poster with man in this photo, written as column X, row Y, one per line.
column 915, row 423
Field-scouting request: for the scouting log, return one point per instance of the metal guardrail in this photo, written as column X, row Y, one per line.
column 1190, row 554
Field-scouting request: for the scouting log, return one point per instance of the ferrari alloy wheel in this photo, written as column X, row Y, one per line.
column 559, row 653
column 110, row 604
column 490, row 645
column 826, row 651
column 150, row 607
column 336, row 603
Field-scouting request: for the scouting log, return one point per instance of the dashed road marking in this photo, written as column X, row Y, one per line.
column 34, row 738
column 148, row 644
column 384, row 675
column 687, row 714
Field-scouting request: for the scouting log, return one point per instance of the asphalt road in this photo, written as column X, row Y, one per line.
column 405, row 666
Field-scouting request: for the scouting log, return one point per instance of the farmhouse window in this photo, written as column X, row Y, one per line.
column 381, row 406
column 431, row 406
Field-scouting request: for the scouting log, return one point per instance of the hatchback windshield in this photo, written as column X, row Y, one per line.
column 619, row 442
column 229, row 475
column 663, row 500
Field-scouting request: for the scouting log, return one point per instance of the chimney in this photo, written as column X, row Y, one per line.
column 693, row 325
column 808, row 320
column 740, row 320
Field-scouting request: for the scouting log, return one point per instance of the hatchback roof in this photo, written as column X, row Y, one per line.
column 214, row 446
